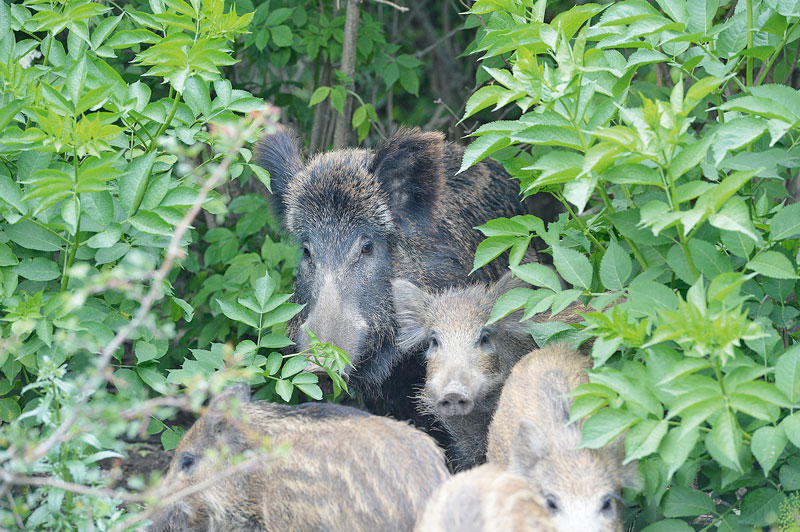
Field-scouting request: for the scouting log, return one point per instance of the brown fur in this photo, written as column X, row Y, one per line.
column 529, row 434
column 456, row 318
column 485, row 499
column 378, row 480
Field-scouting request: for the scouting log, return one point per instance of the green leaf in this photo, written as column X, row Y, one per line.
column 727, row 438
column 676, row 447
column 689, row 157
column 785, row 224
column 133, row 183
column 281, row 314
column 767, row 445
column 106, row 238
column 274, row 341
column 294, row 366
column 7, row 257
column 338, row 98
column 761, row 507
column 684, row 502
column 170, row 439
column 734, row 134
column 237, row 312
column 735, row 216
column 509, row 302
column 701, row 15
column 604, row 426
column 644, row 438
column 573, row 266
column 483, row 98
column 669, row 525
column 319, row 95
column 490, row 249
column 274, row 361
column 282, row 35
column 197, row 96
column 787, row 373
column 311, row 390
column 30, row 236
column 503, row 227
column 152, row 223
column 538, row 275
column 615, row 267
column 38, row 269
column 284, row 389
column 773, row 264
column 263, row 290
column 482, row 147
column 144, row 351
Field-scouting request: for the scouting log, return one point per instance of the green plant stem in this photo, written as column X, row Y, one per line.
column 636, row 252
column 749, row 68
column 580, row 222
column 165, row 125
column 775, row 54
column 73, row 248
column 688, row 254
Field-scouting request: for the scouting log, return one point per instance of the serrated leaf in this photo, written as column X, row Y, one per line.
column 684, row 502
column 237, row 312
column 773, row 264
column 785, row 224
column 767, row 445
column 787, row 374
column 538, row 275
column 573, row 266
column 615, row 267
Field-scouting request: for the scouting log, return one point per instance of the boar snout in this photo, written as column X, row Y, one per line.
column 455, row 400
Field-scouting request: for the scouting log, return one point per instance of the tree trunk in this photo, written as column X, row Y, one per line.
column 342, row 129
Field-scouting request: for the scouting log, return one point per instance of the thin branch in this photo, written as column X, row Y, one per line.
column 342, row 127
column 392, row 4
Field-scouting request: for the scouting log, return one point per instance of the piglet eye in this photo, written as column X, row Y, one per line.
column 306, row 251
column 366, row 249
column 607, row 506
column 186, row 461
column 552, row 505
column 485, row 338
column 433, row 342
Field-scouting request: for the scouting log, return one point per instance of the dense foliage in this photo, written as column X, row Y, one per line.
column 668, row 132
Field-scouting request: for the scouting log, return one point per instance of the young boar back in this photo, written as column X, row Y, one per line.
column 364, row 218
column 529, row 434
column 467, row 360
column 380, row 480
column 485, row 499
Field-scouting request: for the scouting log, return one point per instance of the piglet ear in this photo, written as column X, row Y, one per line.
column 410, row 169
column 224, row 406
column 410, row 304
column 279, row 154
column 528, row 447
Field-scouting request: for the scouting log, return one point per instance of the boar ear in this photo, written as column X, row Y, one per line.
column 629, row 474
column 224, row 403
column 410, row 304
column 410, row 168
column 528, row 447
column 279, row 154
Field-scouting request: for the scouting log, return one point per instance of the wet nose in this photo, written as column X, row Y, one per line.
column 455, row 403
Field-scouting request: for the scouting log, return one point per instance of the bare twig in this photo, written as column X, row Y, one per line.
column 392, row 4
column 173, row 252
column 341, row 130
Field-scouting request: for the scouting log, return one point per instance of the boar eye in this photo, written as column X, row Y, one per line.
column 433, row 342
column 306, row 251
column 552, row 504
column 186, row 461
column 366, row 249
column 608, row 504
column 486, row 338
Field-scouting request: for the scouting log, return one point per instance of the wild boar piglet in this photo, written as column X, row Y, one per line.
column 485, row 499
column 345, row 470
column 529, row 435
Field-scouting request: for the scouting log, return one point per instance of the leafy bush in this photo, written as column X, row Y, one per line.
column 115, row 127
column 666, row 131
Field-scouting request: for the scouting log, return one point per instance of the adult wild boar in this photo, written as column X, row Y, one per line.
column 380, row 480
column 364, row 217
column 529, row 434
